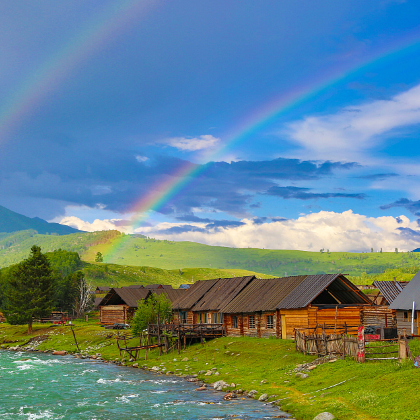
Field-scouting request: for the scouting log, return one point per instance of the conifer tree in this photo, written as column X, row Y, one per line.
column 29, row 290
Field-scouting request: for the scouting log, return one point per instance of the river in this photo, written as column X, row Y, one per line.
column 40, row 386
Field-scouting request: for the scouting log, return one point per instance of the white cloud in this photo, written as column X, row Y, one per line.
column 193, row 144
column 351, row 133
column 140, row 158
column 96, row 225
column 345, row 231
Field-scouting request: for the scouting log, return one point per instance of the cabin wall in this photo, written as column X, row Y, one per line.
column 2, row 318
column 340, row 316
column 212, row 317
column 404, row 322
column 291, row 319
column 243, row 327
column 111, row 314
column 380, row 316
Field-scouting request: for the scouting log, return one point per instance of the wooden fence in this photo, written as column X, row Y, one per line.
column 350, row 341
column 316, row 341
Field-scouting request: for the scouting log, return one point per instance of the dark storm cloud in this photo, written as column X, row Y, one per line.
column 305, row 194
column 411, row 206
column 66, row 172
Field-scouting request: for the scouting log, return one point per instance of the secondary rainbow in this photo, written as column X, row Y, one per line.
column 109, row 22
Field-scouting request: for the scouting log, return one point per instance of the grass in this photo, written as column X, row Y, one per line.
column 383, row 390
column 137, row 251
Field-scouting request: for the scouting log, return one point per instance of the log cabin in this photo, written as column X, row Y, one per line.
column 275, row 307
column 208, row 309
column 403, row 304
column 119, row 305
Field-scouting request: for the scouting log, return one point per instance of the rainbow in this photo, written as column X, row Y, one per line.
column 113, row 19
column 162, row 193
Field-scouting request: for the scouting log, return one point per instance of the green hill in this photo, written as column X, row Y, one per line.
column 138, row 251
column 12, row 222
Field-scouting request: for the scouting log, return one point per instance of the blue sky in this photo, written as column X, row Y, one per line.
column 306, row 117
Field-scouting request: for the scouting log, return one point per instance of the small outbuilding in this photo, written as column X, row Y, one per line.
column 119, row 305
column 407, row 306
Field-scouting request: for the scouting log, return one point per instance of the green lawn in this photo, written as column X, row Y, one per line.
column 383, row 390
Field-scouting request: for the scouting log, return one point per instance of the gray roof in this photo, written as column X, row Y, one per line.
column 312, row 286
column 293, row 292
column 223, row 291
column 125, row 295
column 389, row 289
column 410, row 293
column 193, row 294
column 171, row 294
column 262, row 295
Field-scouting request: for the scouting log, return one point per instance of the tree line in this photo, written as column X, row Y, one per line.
column 42, row 283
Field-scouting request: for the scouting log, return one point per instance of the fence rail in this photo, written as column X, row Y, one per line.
column 343, row 344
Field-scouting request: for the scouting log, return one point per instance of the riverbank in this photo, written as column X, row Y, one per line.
column 376, row 390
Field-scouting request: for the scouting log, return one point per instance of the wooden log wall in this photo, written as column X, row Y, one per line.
column 337, row 316
column 380, row 316
column 2, row 318
column 112, row 314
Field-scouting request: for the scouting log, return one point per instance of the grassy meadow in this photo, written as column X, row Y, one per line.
column 138, row 251
column 375, row 390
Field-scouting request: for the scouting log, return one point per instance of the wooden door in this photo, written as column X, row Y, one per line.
column 283, row 327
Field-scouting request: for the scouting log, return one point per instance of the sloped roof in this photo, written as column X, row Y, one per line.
column 292, row 293
column 125, row 295
column 194, row 294
column 262, row 294
column 172, row 294
column 312, row 286
column 389, row 289
column 158, row 286
column 410, row 294
column 135, row 286
column 223, row 291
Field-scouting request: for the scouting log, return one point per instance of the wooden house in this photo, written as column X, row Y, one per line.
column 182, row 307
column 2, row 318
column 172, row 294
column 119, row 305
column 158, row 286
column 275, row 307
column 404, row 303
column 208, row 310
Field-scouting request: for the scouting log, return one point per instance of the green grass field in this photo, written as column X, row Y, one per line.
column 137, row 251
column 384, row 390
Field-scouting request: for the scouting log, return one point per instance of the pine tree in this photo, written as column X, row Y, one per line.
column 30, row 290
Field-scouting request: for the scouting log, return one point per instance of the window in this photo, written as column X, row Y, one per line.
column 214, row 316
column 220, row 318
column 203, row 318
column 269, row 321
column 251, row 321
column 234, row 322
column 405, row 315
column 183, row 317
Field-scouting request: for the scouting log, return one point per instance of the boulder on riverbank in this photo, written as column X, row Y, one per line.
column 324, row 416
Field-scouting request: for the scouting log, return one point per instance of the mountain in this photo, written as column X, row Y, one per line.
column 14, row 222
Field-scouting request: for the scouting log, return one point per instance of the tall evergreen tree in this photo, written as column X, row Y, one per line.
column 29, row 290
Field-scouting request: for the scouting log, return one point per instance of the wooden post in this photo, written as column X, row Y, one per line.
column 335, row 324
column 361, row 353
column 344, row 346
column 74, row 335
column 185, row 342
column 158, row 335
column 402, row 349
column 179, row 340
column 325, row 340
column 166, row 343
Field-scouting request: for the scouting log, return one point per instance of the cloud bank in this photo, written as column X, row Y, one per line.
column 346, row 231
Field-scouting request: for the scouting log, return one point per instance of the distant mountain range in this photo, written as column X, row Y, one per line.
column 13, row 222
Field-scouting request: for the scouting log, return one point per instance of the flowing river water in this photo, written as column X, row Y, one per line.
column 41, row 386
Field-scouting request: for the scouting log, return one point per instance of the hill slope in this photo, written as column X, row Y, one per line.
column 13, row 222
column 139, row 251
